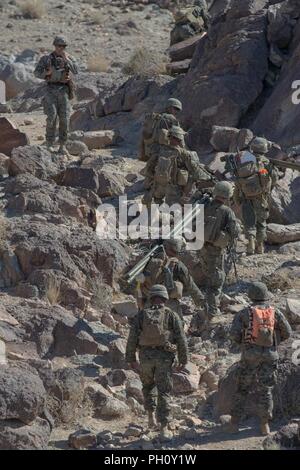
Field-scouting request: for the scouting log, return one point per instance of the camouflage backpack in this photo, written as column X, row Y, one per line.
column 252, row 177
column 154, row 329
column 165, row 169
column 212, row 230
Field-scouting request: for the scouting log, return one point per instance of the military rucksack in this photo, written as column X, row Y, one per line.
column 251, row 176
column 154, row 331
column 261, row 326
column 212, row 231
column 164, row 170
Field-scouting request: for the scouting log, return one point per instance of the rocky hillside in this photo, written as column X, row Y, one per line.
column 64, row 312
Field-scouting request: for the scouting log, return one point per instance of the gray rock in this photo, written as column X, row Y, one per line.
column 17, row 78
column 288, row 437
column 22, row 394
column 75, row 147
column 82, row 439
column 293, row 311
column 14, row 435
column 280, row 234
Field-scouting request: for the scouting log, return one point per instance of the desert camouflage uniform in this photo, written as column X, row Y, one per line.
column 172, row 192
column 212, row 262
column 155, row 274
column 56, row 100
column 194, row 20
column 156, row 364
column 258, row 365
column 255, row 211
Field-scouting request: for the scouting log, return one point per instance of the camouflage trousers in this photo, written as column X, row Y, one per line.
column 255, row 213
column 57, row 107
column 212, row 265
column 156, row 377
column 258, row 375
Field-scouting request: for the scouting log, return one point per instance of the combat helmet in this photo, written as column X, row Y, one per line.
column 177, row 244
column 158, row 290
column 258, row 291
column 223, row 189
column 259, row 145
column 174, row 103
column 60, row 41
column 177, row 132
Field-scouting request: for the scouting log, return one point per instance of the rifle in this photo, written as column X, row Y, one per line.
column 231, row 260
column 285, row 164
column 176, row 231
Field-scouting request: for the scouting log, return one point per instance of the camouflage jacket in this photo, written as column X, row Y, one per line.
column 149, row 144
column 185, row 159
column 155, row 274
column 44, row 62
column 225, row 219
column 174, row 326
column 252, row 351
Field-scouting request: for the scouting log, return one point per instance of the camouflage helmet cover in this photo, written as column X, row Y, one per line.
column 259, row 145
column 159, row 290
column 259, row 291
column 174, row 103
column 177, row 244
column 60, row 41
column 177, row 132
column 223, row 189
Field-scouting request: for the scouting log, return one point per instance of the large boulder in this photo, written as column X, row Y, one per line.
column 11, row 137
column 288, row 437
column 14, row 435
column 227, row 72
column 22, row 394
column 17, row 78
column 279, row 234
column 33, row 159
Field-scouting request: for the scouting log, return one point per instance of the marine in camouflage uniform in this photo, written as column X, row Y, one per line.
column 168, row 270
column 258, row 364
column 255, row 210
column 190, row 21
column 55, row 68
column 165, row 120
column 185, row 164
column 212, row 262
column 156, row 362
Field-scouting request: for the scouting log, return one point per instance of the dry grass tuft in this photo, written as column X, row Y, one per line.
column 97, row 64
column 32, row 9
column 53, row 291
column 145, row 63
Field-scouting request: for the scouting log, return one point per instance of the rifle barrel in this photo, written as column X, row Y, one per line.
column 285, row 164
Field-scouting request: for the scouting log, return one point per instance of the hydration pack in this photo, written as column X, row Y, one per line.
column 154, row 329
column 261, row 326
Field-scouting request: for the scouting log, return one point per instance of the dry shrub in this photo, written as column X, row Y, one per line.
column 3, row 230
column 32, row 9
column 97, row 63
column 280, row 281
column 53, row 291
column 145, row 63
column 101, row 293
column 98, row 18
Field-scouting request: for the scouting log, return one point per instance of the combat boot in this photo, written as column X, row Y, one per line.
column 233, row 426
column 260, row 248
column 151, row 420
column 50, row 147
column 165, row 433
column 63, row 150
column 251, row 246
column 264, row 428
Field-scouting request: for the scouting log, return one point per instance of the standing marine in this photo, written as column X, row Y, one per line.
column 57, row 69
column 258, row 329
column 156, row 334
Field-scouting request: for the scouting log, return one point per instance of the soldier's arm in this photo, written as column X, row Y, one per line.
column 133, row 339
column 180, row 339
column 42, row 68
column 232, row 226
column 189, row 284
column 282, row 325
column 71, row 63
column 237, row 328
column 196, row 169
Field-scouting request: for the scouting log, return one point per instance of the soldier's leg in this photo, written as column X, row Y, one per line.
column 266, row 379
column 147, row 376
column 249, row 221
column 50, row 109
column 262, row 215
column 163, row 380
column 64, row 110
column 215, row 281
column 246, row 375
